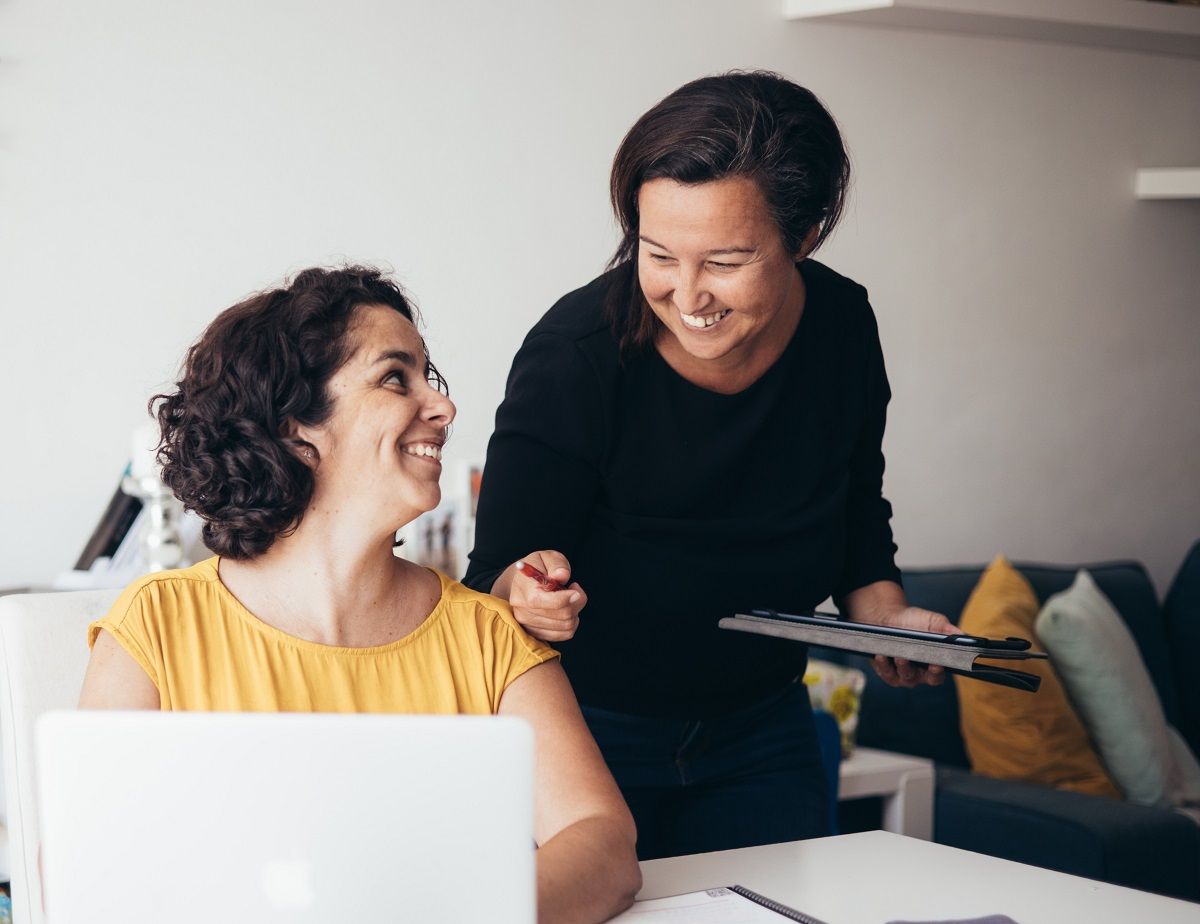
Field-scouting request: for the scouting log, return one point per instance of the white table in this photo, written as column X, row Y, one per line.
column 878, row 876
column 904, row 782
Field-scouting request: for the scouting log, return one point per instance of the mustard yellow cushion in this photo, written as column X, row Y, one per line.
column 1012, row 734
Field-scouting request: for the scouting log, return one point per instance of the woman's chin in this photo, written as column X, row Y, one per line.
column 413, row 507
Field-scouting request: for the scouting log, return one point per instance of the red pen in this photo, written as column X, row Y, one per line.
column 546, row 583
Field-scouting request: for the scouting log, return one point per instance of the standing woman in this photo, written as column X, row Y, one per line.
column 697, row 432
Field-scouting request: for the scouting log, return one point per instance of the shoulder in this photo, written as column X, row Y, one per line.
column 164, row 588
column 578, row 315
column 842, row 302
column 829, row 284
column 461, row 600
column 569, row 360
column 577, row 321
column 145, row 608
column 493, row 615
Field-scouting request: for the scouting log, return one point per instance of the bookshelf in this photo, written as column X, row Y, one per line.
column 1132, row 25
column 1167, row 183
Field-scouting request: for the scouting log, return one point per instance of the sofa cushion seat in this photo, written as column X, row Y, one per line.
column 1143, row 847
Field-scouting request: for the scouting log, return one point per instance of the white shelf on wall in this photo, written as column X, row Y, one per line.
column 1167, row 183
column 1136, row 25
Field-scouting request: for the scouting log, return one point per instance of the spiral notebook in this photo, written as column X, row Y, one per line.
column 726, row 905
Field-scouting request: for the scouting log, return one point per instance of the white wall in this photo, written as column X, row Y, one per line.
column 159, row 161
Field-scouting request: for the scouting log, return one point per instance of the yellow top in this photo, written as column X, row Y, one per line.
column 205, row 651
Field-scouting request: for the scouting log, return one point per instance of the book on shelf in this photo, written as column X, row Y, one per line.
column 111, row 530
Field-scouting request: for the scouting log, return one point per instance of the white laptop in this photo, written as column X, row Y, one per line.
column 171, row 818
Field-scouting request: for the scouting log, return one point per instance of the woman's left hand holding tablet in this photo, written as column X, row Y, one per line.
column 883, row 603
column 899, row 672
column 545, row 605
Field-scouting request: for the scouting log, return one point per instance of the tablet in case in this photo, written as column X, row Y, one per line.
column 958, row 654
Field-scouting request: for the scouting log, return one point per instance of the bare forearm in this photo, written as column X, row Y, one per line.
column 884, row 604
column 875, row 602
column 587, row 872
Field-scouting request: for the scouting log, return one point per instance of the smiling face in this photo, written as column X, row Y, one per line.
column 714, row 270
column 380, row 449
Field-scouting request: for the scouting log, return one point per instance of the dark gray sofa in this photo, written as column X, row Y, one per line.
column 1155, row 849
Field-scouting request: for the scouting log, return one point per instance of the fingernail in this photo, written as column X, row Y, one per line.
column 574, row 598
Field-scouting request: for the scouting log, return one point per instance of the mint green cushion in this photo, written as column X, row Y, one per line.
column 1100, row 665
column 1183, row 785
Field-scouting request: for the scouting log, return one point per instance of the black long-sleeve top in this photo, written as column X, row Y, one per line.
column 677, row 506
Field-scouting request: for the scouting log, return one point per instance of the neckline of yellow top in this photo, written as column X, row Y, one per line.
column 212, row 567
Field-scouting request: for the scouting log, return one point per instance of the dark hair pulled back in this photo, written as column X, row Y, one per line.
column 755, row 124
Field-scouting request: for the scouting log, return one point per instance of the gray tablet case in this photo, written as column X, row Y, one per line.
column 846, row 636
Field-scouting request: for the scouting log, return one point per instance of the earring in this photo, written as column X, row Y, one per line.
column 308, row 453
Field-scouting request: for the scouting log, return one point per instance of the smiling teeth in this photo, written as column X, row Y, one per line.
column 430, row 452
column 699, row 322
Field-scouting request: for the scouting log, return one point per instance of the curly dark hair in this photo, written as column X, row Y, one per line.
column 755, row 124
column 261, row 366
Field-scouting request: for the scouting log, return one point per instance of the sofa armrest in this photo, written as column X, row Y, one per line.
column 1143, row 847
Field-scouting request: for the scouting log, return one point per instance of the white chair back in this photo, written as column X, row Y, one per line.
column 43, row 657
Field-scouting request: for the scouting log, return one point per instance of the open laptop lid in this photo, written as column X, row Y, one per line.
column 151, row 817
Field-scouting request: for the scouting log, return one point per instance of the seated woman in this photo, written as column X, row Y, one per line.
column 306, row 429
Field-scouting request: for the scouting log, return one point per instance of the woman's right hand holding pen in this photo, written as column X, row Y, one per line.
column 536, row 587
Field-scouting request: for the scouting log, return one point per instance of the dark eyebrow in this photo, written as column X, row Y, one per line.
column 401, row 356
column 707, row 253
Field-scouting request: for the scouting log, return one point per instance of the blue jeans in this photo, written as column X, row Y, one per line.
column 751, row 777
